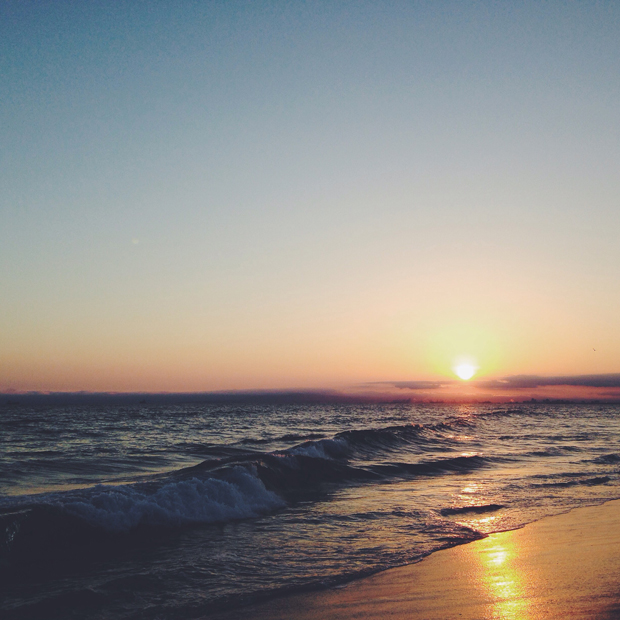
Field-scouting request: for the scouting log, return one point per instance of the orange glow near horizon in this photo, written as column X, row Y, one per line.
column 360, row 356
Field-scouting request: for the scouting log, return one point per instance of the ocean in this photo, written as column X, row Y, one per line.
column 162, row 511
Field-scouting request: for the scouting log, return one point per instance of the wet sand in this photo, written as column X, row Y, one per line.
column 565, row 566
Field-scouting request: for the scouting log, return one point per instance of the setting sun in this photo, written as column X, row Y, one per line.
column 465, row 371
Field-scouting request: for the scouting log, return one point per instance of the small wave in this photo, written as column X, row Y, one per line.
column 554, row 451
column 467, row 509
column 212, row 450
column 283, row 438
column 300, row 476
column 572, row 483
column 373, row 442
column 427, row 468
column 500, row 413
column 361, row 444
column 323, row 449
column 597, row 480
column 607, row 459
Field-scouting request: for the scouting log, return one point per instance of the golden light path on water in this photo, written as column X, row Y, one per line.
column 504, row 585
column 498, row 579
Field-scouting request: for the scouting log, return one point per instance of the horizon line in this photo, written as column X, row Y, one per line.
column 271, row 397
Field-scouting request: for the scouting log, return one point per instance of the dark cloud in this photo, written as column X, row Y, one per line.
column 237, row 397
column 412, row 385
column 534, row 381
column 258, row 397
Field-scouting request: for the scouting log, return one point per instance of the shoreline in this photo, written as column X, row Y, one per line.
column 562, row 566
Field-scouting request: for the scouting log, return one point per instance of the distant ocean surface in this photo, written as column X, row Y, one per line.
column 161, row 511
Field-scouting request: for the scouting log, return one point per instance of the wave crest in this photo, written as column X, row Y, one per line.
column 121, row 508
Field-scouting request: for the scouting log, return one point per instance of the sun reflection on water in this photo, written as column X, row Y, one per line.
column 498, row 575
column 503, row 583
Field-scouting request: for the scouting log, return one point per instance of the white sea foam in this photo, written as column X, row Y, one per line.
column 121, row 508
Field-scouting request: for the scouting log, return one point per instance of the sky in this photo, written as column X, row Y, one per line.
column 211, row 196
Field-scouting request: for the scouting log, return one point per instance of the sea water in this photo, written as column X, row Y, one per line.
column 183, row 511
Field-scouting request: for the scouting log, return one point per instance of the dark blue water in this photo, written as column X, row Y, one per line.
column 184, row 511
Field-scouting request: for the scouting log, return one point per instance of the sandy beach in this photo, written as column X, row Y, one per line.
column 564, row 566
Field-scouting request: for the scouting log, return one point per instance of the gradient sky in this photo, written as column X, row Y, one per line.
column 250, row 195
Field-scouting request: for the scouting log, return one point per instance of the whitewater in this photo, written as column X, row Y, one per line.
column 187, row 510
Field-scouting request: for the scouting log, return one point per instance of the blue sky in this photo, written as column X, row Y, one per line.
column 239, row 195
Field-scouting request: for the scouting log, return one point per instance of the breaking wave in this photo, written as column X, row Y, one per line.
column 234, row 486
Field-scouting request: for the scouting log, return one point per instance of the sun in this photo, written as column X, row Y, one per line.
column 465, row 370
